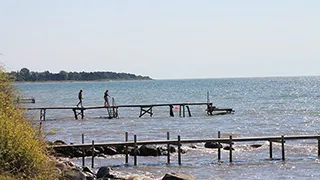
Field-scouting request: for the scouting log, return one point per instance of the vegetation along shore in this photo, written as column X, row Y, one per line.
column 26, row 75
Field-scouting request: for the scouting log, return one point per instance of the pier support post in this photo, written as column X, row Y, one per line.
column 126, row 149
column 184, row 111
column 182, row 108
column 219, row 149
column 92, row 163
column 83, row 153
column 168, row 148
column 282, row 145
column 188, row 111
column 171, row 110
column 179, row 151
column 75, row 114
column 270, row 149
column 42, row 114
column 318, row 147
column 144, row 111
column 135, row 151
column 230, row 151
column 80, row 113
column 209, row 109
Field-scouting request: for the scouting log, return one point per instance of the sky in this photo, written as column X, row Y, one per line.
column 167, row 39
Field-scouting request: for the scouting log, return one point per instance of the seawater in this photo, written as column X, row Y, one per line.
column 263, row 107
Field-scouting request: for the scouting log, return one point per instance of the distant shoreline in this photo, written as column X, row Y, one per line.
column 80, row 81
column 25, row 75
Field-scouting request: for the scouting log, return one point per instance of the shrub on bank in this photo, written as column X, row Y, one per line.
column 23, row 154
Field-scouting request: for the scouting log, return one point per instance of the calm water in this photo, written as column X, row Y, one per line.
column 263, row 106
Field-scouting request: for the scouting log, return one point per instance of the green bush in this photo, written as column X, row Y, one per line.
column 23, row 154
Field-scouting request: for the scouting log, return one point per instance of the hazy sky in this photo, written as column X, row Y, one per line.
column 164, row 39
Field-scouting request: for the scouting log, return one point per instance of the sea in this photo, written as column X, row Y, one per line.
column 263, row 106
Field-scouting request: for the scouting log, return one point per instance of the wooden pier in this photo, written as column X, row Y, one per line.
column 26, row 100
column 229, row 141
column 144, row 109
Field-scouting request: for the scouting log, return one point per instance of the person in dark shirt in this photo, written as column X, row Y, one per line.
column 106, row 98
column 80, row 98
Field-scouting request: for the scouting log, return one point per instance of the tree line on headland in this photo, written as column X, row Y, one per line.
column 26, row 75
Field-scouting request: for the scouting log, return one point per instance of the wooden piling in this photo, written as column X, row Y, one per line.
column 270, row 149
column 83, row 153
column 282, row 145
column 184, row 111
column 82, row 113
column 230, row 151
column 168, row 148
column 126, row 149
column 42, row 114
column 179, row 151
column 171, row 111
column 135, row 151
column 189, row 113
column 92, row 162
column 75, row 113
column 318, row 146
column 219, row 149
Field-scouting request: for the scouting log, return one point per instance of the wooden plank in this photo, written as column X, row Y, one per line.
column 129, row 105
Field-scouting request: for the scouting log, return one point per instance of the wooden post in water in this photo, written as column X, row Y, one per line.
column 270, row 149
column 282, row 145
column 184, row 111
column 83, row 152
column 126, row 149
column 230, row 151
column 318, row 147
column 188, row 111
column 82, row 113
column 135, row 151
column 92, row 163
column 42, row 114
column 219, row 149
column 179, row 151
column 168, row 148
column 75, row 113
column 171, row 111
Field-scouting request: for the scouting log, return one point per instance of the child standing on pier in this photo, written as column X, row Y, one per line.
column 106, row 96
column 80, row 99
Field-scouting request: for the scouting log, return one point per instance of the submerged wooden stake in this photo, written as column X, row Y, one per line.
column 83, row 152
column 230, row 151
column 126, row 149
column 168, row 148
column 318, row 147
column 179, row 151
column 219, row 149
column 282, row 145
column 92, row 163
column 135, row 150
column 270, row 149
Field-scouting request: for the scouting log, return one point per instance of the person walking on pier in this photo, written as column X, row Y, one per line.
column 80, row 99
column 106, row 98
